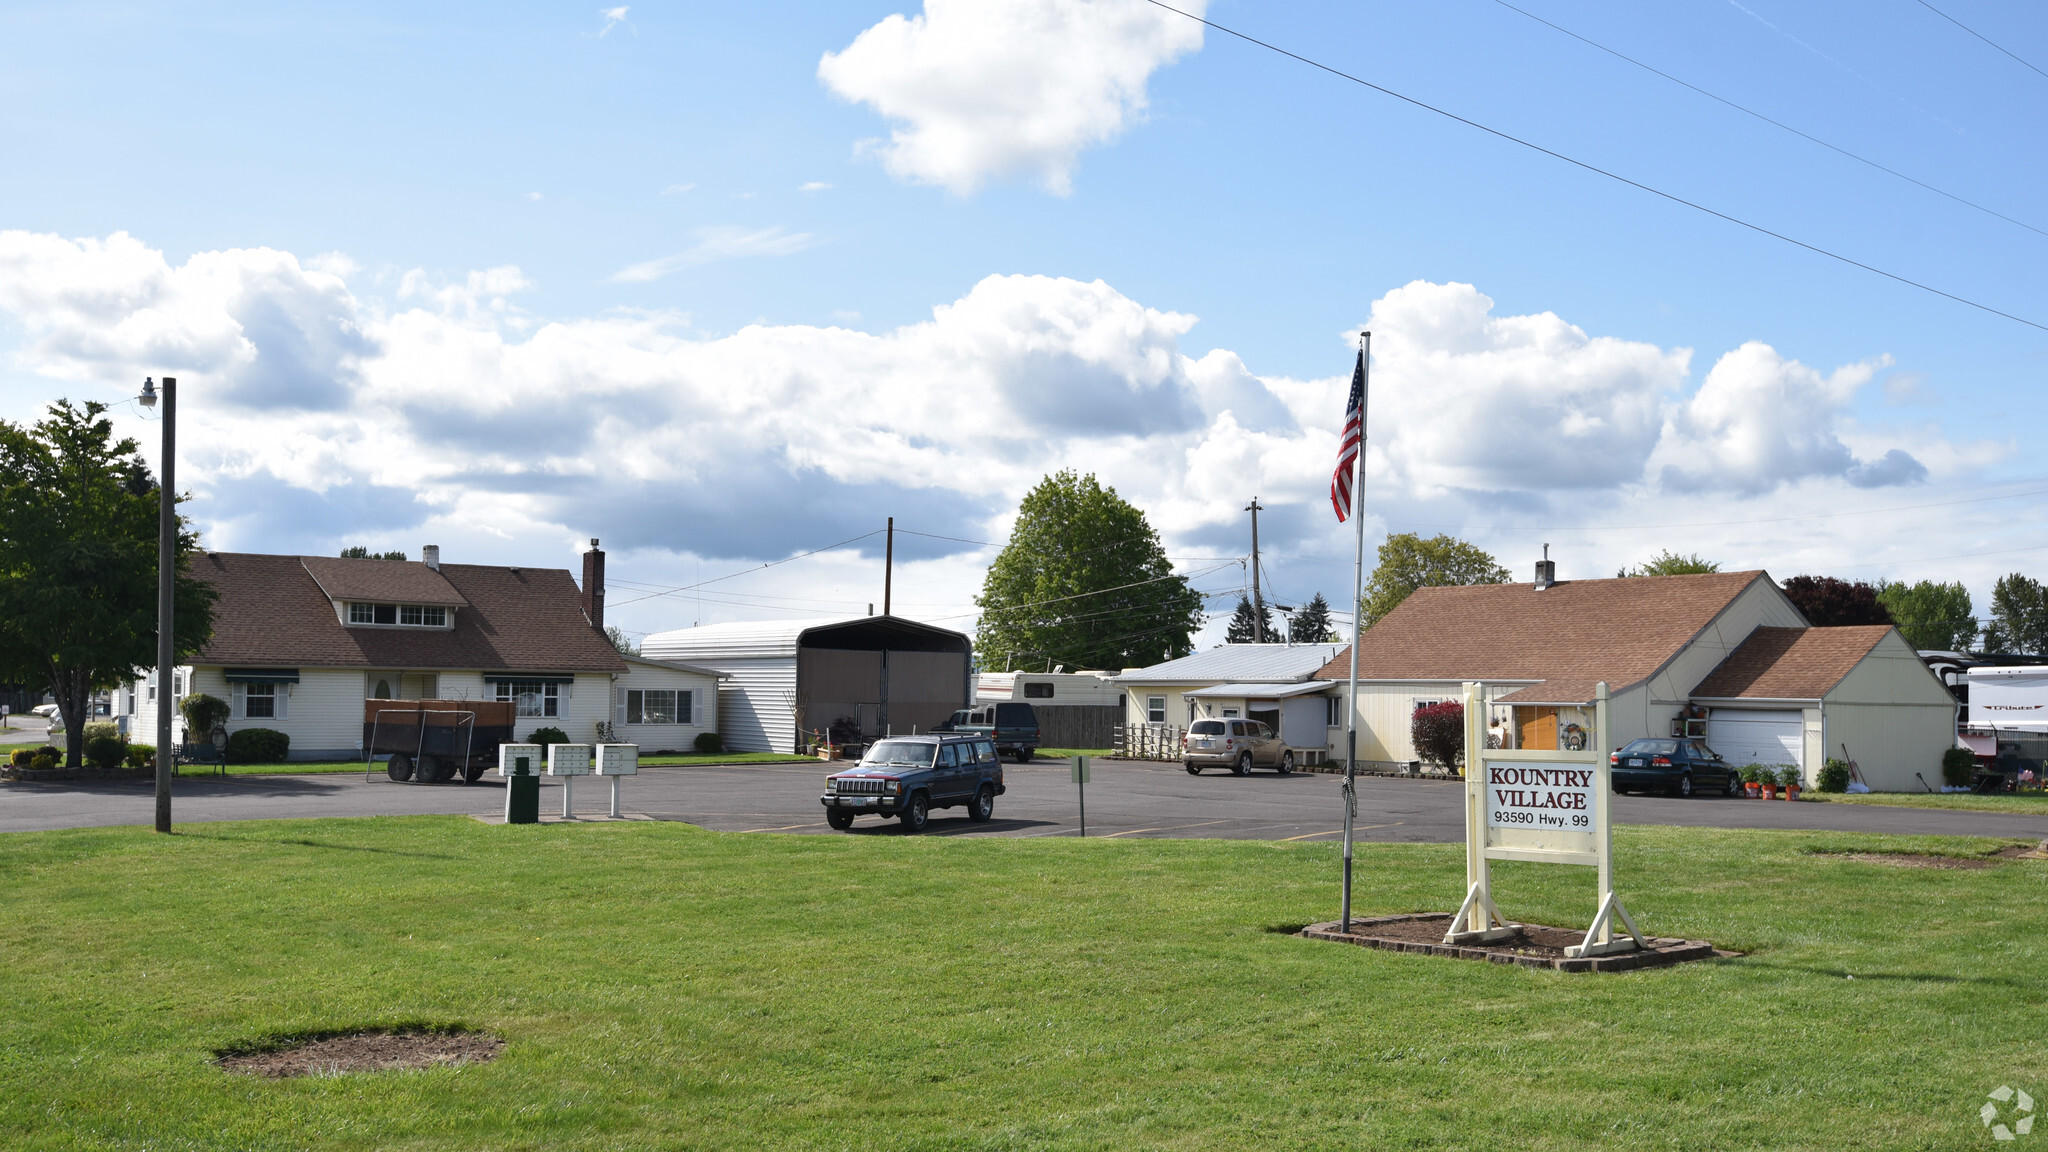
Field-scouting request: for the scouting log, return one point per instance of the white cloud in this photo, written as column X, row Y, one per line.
column 814, row 186
column 722, row 242
column 677, row 189
column 535, row 197
column 994, row 88
column 314, row 417
column 613, row 17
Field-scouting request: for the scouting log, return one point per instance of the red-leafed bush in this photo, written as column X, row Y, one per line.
column 1439, row 732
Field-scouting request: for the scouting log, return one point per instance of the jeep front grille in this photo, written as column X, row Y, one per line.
column 866, row 786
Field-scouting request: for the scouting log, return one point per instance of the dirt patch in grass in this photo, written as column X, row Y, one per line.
column 370, row 1050
column 1532, row 945
column 1931, row 860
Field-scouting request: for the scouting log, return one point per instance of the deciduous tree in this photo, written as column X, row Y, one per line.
column 1930, row 615
column 78, row 563
column 1829, row 602
column 1083, row 582
column 2019, row 616
column 1669, row 563
column 1408, row 562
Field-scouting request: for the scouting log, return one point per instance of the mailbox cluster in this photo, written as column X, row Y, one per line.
column 518, row 763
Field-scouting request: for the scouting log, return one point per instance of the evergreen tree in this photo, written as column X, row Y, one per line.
column 1084, row 582
column 359, row 552
column 1244, row 624
column 1310, row 623
column 1408, row 562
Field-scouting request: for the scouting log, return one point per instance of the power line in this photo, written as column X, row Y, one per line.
column 1096, row 592
column 1768, row 120
column 745, row 571
column 1980, row 36
column 1595, row 169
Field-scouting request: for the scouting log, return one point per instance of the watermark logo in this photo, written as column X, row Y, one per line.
column 2008, row 1103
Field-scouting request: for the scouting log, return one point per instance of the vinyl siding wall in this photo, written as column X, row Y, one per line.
column 1895, row 717
column 677, row 737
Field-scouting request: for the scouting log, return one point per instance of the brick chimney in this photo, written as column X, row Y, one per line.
column 430, row 555
column 593, row 585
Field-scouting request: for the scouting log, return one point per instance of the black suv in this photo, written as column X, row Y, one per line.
column 1014, row 727
column 1680, row 767
column 908, row 776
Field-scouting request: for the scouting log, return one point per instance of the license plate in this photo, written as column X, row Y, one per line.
column 1635, row 763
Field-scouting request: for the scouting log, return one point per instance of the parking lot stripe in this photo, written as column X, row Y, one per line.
column 785, row 827
column 1173, row 828
column 1335, row 831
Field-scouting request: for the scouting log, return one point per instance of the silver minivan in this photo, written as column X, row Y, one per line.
column 1240, row 745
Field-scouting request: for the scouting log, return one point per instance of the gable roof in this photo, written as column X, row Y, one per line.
column 394, row 581
column 1790, row 663
column 1567, row 637
column 271, row 612
column 1237, row 664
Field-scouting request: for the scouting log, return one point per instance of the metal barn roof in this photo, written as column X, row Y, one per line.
column 1239, row 664
column 756, row 639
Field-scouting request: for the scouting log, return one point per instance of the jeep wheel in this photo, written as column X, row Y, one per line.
column 1193, row 768
column 916, row 814
column 839, row 818
column 399, row 767
column 984, row 805
column 1244, row 763
column 1287, row 762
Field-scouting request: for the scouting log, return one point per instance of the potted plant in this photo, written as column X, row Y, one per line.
column 1788, row 776
column 1749, row 774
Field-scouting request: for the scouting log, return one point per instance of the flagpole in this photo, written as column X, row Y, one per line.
column 1357, row 590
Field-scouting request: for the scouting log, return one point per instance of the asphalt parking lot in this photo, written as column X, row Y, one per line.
column 1125, row 799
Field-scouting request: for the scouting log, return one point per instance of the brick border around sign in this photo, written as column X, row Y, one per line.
column 1663, row 951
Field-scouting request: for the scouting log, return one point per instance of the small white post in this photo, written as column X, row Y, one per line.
column 568, row 791
column 615, row 797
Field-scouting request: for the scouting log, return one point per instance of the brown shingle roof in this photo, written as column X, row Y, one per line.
column 1790, row 663
column 392, row 581
column 271, row 612
column 1570, row 636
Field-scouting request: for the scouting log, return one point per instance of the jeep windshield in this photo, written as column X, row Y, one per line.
column 907, row 753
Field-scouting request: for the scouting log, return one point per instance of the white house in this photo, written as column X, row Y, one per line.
column 299, row 642
column 664, row 706
column 1273, row 683
column 1725, row 656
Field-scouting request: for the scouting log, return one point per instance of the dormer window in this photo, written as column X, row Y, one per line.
column 402, row 615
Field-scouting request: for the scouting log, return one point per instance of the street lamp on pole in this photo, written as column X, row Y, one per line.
column 166, row 573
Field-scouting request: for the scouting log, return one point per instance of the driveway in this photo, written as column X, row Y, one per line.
column 1125, row 799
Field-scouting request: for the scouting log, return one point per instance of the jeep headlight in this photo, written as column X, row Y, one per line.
column 831, row 784
column 899, row 787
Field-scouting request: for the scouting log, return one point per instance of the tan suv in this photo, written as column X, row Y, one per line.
column 1240, row 745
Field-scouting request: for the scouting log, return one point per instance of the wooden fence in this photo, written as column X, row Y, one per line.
column 1077, row 725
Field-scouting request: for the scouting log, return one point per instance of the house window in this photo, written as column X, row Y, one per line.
column 362, row 613
column 409, row 614
column 1155, row 709
column 657, row 706
column 383, row 690
column 1038, row 691
column 259, row 701
column 434, row 616
column 384, row 613
column 1333, row 711
column 1230, row 711
column 533, row 697
column 177, row 685
column 404, row 615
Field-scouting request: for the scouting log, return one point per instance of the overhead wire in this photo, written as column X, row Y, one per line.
column 1769, row 120
column 1979, row 35
column 755, row 568
column 1597, row 170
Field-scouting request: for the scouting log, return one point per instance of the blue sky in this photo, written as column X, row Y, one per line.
column 526, row 260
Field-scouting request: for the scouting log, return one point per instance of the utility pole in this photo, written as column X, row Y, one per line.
column 166, row 573
column 1258, row 604
column 888, row 565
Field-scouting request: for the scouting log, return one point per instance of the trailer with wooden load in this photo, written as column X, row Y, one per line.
column 430, row 741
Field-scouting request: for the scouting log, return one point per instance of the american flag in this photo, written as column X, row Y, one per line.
column 1353, row 440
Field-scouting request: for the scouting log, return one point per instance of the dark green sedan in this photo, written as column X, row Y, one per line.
column 1677, row 767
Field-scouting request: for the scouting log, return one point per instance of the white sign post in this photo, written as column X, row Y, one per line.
column 1540, row 805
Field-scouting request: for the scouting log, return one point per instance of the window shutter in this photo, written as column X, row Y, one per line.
column 284, row 701
column 240, row 701
column 618, row 705
column 686, row 707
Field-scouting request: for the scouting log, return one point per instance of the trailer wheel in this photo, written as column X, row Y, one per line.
column 472, row 773
column 399, row 767
column 433, row 769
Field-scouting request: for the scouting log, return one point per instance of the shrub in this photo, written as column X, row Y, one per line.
column 1752, row 773
column 710, row 742
column 106, row 751
column 44, row 759
column 1834, row 776
column 1958, row 765
column 1789, row 776
column 258, row 746
column 99, row 730
column 547, row 736
column 1439, row 733
column 203, row 714
column 141, row 755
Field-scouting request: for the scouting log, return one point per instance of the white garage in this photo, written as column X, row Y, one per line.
column 1749, row 736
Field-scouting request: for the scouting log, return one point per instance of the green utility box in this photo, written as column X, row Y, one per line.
column 519, row 764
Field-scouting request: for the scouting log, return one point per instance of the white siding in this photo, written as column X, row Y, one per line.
column 678, row 737
column 1895, row 717
column 1760, row 605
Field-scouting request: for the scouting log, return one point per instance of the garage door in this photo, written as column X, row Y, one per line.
column 1743, row 737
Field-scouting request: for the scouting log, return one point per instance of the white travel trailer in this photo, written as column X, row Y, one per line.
column 2011, row 698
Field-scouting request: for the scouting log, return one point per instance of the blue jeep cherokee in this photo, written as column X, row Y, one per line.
column 908, row 776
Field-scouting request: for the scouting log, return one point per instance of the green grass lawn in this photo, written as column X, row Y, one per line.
column 1069, row 753
column 664, row 987
column 2016, row 802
